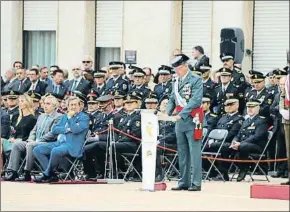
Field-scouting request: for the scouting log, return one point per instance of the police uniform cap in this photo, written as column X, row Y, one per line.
column 119, row 94
column 138, row 72
column 279, row 73
column 165, row 70
column 166, row 96
column 151, row 98
column 99, row 73
column 92, row 99
column 133, row 97
column 105, row 98
column 253, row 103
column 116, row 65
column 226, row 56
column 225, row 71
column 67, row 94
column 204, row 67
column 34, row 96
column 270, row 74
column 286, row 68
column 93, row 93
column 80, row 96
column 179, row 60
column 231, row 101
column 197, row 72
column 13, row 94
column 206, row 97
column 257, row 76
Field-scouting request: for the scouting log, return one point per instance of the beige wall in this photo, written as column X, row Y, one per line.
column 231, row 14
column 11, row 33
column 76, row 32
column 147, row 29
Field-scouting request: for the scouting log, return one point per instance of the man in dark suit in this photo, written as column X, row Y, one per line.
column 57, row 86
column 72, row 129
column 22, row 83
column 37, row 86
column 44, row 76
column 198, row 55
column 11, row 79
column 78, row 83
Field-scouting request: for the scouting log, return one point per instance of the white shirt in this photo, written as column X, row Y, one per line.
column 224, row 87
column 33, row 85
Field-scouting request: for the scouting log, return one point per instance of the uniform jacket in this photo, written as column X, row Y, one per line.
column 13, row 114
column 162, row 89
column 75, row 138
column 47, row 135
column 232, row 124
column 210, row 121
column 190, row 89
column 99, row 90
column 5, row 124
column 118, row 84
column 253, row 131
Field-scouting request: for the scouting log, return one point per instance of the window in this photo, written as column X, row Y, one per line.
column 105, row 55
column 39, row 47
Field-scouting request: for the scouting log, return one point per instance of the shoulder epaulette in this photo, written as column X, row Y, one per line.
column 213, row 115
column 262, row 117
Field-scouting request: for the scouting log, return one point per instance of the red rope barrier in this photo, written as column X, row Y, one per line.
column 205, row 157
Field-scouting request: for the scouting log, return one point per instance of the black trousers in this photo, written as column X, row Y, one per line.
column 95, row 156
column 159, row 154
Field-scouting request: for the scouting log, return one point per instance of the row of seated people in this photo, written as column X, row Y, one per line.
column 36, row 137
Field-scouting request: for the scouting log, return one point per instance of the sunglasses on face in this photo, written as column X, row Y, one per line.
column 76, row 69
column 85, row 61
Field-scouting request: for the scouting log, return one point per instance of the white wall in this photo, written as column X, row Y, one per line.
column 11, row 33
column 74, row 40
column 146, row 28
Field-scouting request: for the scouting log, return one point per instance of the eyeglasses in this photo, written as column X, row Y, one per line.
column 75, row 69
column 85, row 61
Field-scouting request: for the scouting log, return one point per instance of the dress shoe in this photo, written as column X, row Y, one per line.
column 194, row 188
column 286, row 183
column 219, row 178
column 285, row 175
column 159, row 178
column 179, row 188
column 11, row 176
column 25, row 178
column 242, row 175
column 46, row 179
column 277, row 175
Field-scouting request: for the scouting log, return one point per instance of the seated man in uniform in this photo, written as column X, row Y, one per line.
column 165, row 85
column 151, row 101
column 251, row 138
column 72, row 129
column 130, row 124
column 232, row 122
column 210, row 119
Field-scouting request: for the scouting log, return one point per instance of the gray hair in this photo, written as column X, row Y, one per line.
column 72, row 98
column 53, row 100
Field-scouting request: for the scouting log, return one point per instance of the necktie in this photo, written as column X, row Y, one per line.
column 20, row 85
column 74, row 85
column 40, row 132
column 33, row 87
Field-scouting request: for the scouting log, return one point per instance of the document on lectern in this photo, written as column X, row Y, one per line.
column 149, row 127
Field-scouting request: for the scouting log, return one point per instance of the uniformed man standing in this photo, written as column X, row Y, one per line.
column 185, row 98
column 117, row 82
column 261, row 93
column 13, row 109
column 238, row 78
column 165, row 85
column 226, row 89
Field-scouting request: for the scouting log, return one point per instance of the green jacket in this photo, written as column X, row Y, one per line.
column 191, row 89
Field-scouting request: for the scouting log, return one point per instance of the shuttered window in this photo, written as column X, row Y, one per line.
column 109, row 19
column 271, row 35
column 196, row 26
column 40, row 15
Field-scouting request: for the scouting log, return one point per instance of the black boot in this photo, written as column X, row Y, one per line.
column 242, row 175
column 11, row 176
column 26, row 177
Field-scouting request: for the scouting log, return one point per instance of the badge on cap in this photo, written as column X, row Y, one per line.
column 91, row 98
column 11, row 92
column 117, row 93
column 134, row 93
column 32, row 95
column 128, row 97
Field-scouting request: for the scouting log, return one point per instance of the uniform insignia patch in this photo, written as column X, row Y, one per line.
column 232, row 79
column 269, row 101
column 242, row 79
column 117, row 85
column 213, row 115
column 251, row 128
column 138, row 123
column 124, row 86
column 262, row 99
column 121, row 119
column 241, row 122
column 166, row 90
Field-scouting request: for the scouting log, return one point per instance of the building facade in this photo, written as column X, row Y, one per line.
column 61, row 32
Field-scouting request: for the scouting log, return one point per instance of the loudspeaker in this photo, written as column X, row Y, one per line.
column 232, row 41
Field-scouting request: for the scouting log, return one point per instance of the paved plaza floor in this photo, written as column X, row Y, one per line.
column 219, row 196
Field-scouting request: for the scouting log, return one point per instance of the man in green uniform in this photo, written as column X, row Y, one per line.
column 186, row 97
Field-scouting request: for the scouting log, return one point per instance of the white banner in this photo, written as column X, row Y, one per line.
column 149, row 123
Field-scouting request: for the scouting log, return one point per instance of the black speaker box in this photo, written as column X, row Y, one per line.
column 232, row 41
